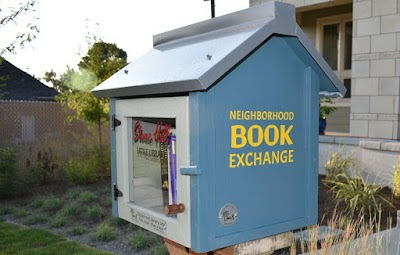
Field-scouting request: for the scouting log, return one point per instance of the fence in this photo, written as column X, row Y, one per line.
column 31, row 126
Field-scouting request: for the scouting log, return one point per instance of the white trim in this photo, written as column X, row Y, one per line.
column 177, row 229
column 341, row 20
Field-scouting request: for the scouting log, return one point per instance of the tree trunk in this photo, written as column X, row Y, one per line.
column 101, row 150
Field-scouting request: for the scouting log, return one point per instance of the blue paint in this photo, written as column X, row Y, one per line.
column 113, row 157
column 273, row 198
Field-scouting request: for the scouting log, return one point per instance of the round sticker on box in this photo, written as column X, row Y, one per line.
column 228, row 214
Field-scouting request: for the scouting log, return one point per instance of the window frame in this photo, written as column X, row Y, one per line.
column 341, row 19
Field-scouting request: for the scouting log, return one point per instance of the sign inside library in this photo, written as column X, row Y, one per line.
column 273, row 129
column 154, row 162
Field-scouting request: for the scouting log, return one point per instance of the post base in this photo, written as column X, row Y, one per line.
column 264, row 246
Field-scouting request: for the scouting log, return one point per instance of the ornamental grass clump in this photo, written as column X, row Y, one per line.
column 357, row 194
column 340, row 163
column 396, row 179
column 346, row 236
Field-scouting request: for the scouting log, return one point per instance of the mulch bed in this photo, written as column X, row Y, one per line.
column 327, row 206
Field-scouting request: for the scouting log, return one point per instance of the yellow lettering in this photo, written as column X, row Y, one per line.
column 240, row 159
column 232, row 115
column 290, row 158
column 257, row 157
column 238, row 132
column 285, row 136
column 250, row 135
column 267, row 159
column 284, row 156
column 248, row 163
column 275, row 135
column 232, row 161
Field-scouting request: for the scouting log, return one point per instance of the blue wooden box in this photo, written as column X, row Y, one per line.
column 242, row 91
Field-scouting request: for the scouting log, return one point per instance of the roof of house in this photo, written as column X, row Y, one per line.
column 194, row 57
column 21, row 86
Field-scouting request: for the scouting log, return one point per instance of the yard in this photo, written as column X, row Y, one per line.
column 82, row 213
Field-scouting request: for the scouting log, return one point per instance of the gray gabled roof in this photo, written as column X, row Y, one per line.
column 194, row 57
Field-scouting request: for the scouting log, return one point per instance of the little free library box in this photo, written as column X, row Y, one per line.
column 215, row 130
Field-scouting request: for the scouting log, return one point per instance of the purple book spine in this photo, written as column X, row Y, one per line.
column 172, row 165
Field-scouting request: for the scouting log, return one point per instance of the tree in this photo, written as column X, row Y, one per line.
column 102, row 60
column 10, row 15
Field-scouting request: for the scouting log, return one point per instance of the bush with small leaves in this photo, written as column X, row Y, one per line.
column 10, row 185
column 45, row 165
column 84, row 167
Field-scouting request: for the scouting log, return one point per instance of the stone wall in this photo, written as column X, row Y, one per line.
column 375, row 105
column 376, row 156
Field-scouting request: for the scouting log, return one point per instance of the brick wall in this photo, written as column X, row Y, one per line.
column 30, row 126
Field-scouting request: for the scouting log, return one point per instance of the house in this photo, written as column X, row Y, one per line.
column 21, row 86
column 360, row 40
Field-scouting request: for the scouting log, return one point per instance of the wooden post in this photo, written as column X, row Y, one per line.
column 177, row 249
column 262, row 246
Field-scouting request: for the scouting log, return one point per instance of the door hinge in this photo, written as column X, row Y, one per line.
column 115, row 122
column 117, row 192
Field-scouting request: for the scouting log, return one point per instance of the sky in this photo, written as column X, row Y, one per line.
column 130, row 24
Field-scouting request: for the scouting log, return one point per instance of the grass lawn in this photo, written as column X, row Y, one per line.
column 24, row 240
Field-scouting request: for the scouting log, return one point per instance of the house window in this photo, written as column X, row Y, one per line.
column 334, row 42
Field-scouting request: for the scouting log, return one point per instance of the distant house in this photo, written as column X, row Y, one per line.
column 21, row 86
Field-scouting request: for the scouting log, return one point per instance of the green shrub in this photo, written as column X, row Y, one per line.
column 87, row 197
column 340, row 163
column 7, row 209
column 84, row 171
column 160, row 249
column 140, row 241
column 35, row 219
column 52, row 203
column 104, row 233
column 10, row 185
column 396, row 179
column 44, row 168
column 77, row 231
column 358, row 195
column 94, row 213
column 58, row 221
